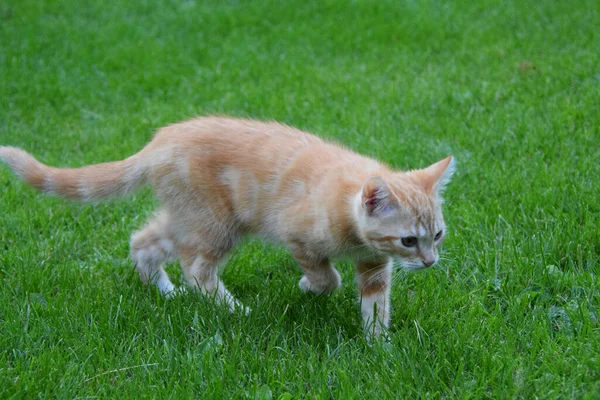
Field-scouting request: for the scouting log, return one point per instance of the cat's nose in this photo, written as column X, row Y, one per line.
column 428, row 263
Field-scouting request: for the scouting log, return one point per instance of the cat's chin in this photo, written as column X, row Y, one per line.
column 410, row 267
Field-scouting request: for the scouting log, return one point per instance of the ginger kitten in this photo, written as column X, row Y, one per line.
column 219, row 179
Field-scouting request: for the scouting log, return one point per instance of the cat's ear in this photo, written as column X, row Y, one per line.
column 377, row 197
column 436, row 177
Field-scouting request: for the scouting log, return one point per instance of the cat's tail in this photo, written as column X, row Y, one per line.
column 89, row 183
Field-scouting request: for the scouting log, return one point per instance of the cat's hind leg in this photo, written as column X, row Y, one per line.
column 151, row 247
column 200, row 264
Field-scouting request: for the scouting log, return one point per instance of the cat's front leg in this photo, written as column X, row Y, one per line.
column 320, row 276
column 374, row 279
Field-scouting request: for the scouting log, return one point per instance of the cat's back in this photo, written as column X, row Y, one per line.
column 223, row 133
column 221, row 143
column 248, row 147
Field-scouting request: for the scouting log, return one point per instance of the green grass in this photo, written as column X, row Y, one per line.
column 512, row 88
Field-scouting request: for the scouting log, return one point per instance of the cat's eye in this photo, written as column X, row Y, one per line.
column 409, row 241
column 438, row 235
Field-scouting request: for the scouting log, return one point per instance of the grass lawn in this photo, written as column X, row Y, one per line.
column 511, row 88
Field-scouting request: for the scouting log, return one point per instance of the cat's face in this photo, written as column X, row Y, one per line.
column 402, row 215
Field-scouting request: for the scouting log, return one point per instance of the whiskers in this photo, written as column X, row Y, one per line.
column 406, row 266
column 444, row 262
column 400, row 269
column 403, row 268
column 378, row 275
column 397, row 272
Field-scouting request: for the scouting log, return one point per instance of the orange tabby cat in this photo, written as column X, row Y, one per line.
column 219, row 179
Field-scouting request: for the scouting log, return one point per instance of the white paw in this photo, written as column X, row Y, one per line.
column 173, row 292
column 376, row 331
column 325, row 288
column 304, row 284
column 237, row 306
column 246, row 310
column 234, row 305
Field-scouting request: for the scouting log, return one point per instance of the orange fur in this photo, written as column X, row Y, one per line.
column 219, row 179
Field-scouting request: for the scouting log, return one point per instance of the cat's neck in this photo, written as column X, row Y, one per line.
column 344, row 223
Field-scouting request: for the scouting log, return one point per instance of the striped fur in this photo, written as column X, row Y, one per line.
column 219, row 179
column 90, row 183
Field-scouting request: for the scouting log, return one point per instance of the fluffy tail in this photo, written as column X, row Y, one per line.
column 89, row 183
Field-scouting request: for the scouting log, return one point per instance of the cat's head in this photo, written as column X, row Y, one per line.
column 401, row 214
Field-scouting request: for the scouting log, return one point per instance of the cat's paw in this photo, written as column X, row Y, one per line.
column 376, row 331
column 305, row 285
column 236, row 306
column 239, row 307
column 174, row 292
column 378, row 334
